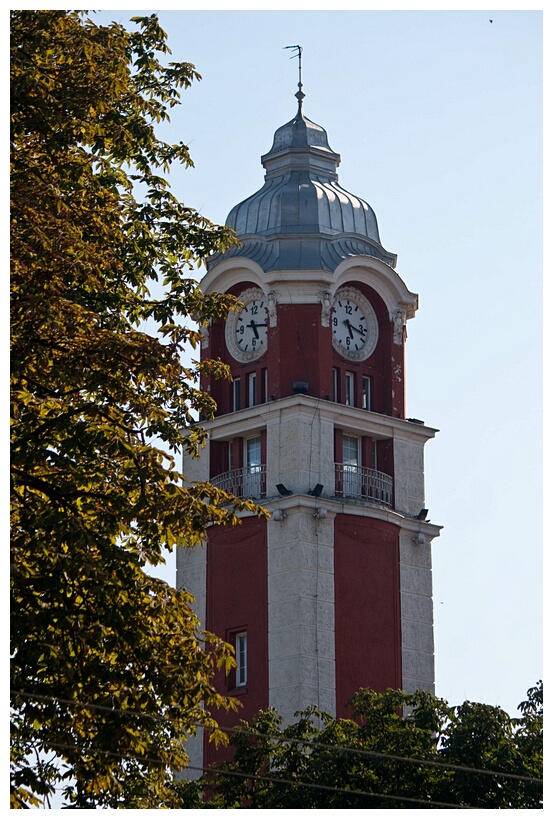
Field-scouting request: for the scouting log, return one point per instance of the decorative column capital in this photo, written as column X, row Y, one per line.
column 272, row 301
column 399, row 318
column 326, row 303
column 204, row 330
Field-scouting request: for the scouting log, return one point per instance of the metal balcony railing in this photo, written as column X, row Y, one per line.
column 364, row 484
column 247, row 482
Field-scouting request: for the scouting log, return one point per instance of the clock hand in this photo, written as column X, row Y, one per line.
column 254, row 327
column 348, row 325
column 361, row 333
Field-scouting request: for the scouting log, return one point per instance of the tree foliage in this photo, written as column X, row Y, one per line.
column 98, row 646
column 402, row 751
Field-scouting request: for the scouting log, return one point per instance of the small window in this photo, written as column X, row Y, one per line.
column 241, row 649
column 252, row 389
column 366, row 397
column 253, row 481
column 352, row 477
column 253, row 453
column 236, row 394
column 350, row 389
column 350, row 451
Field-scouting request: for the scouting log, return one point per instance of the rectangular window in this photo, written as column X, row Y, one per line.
column 252, row 480
column 366, row 393
column 335, row 384
column 236, row 394
column 252, row 389
column 241, row 649
column 253, row 452
column 352, row 474
column 350, row 451
column 350, row 389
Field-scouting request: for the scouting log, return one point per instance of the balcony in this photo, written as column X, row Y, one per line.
column 247, row 482
column 357, row 482
column 365, row 484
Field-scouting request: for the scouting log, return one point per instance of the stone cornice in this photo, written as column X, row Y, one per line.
column 329, row 507
column 251, row 419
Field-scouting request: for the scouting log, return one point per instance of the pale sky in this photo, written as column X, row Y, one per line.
column 437, row 116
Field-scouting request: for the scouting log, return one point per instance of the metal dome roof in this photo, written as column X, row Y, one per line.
column 299, row 132
column 302, row 218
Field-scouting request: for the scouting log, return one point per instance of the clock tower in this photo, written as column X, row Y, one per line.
column 334, row 591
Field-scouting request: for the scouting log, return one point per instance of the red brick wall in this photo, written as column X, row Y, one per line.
column 237, row 601
column 300, row 349
column 367, row 607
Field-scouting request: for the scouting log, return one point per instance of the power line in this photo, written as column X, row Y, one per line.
column 395, row 757
column 261, row 777
column 290, row 740
column 331, row 788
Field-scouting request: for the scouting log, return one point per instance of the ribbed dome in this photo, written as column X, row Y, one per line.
column 299, row 202
column 299, row 132
column 302, row 207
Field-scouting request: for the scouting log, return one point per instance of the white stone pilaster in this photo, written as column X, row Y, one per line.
column 192, row 577
column 300, row 455
column 417, row 613
column 300, row 449
column 408, row 474
column 301, row 611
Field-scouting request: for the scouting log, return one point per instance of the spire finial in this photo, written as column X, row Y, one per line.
column 299, row 94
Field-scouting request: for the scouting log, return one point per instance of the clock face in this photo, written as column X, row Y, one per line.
column 251, row 328
column 349, row 325
column 246, row 331
column 354, row 325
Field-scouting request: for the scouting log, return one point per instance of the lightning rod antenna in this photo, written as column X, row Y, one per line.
column 299, row 95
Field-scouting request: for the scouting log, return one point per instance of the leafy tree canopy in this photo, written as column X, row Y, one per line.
column 99, row 646
column 402, row 751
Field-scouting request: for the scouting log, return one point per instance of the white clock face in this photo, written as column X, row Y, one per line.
column 354, row 325
column 246, row 331
column 251, row 328
column 349, row 325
